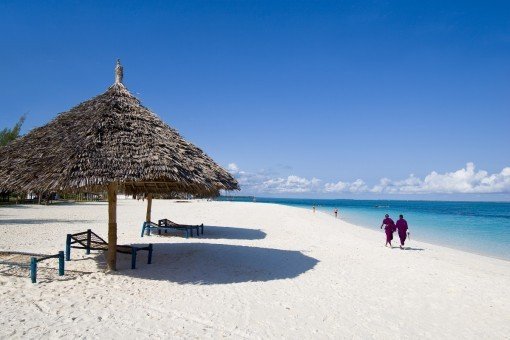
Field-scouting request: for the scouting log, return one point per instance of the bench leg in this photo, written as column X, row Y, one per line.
column 68, row 247
column 61, row 263
column 202, row 228
column 133, row 257
column 89, row 238
column 33, row 269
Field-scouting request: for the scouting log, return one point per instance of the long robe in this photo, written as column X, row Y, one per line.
column 389, row 228
column 402, row 230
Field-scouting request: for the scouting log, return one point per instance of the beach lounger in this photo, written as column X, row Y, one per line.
column 30, row 260
column 166, row 224
column 149, row 228
column 89, row 240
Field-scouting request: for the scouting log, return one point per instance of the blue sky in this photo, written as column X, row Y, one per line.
column 297, row 98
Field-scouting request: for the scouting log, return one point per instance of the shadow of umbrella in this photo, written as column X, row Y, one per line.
column 209, row 264
column 21, row 221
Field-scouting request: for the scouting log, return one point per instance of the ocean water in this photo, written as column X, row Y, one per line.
column 478, row 227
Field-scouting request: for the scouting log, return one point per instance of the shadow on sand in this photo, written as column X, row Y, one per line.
column 44, row 274
column 227, row 233
column 409, row 248
column 71, row 203
column 39, row 221
column 54, row 203
column 209, row 264
column 15, row 206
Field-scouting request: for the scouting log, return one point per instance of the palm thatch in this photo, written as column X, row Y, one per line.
column 110, row 143
column 109, row 138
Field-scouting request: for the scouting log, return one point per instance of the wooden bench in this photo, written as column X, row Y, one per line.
column 89, row 240
column 30, row 260
column 165, row 224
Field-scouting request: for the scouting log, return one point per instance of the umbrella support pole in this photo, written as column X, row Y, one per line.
column 149, row 207
column 112, row 226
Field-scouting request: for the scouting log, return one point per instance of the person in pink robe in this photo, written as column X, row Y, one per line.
column 402, row 230
column 389, row 229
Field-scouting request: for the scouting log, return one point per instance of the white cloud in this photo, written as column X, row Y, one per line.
column 233, row 168
column 263, row 181
column 336, row 187
column 290, row 184
column 358, row 186
column 463, row 181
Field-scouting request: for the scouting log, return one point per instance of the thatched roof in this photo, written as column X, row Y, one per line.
column 109, row 138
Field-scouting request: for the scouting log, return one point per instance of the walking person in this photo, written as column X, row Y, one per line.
column 402, row 230
column 389, row 229
column 313, row 208
column 336, row 212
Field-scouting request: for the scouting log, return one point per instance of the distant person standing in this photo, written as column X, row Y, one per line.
column 336, row 212
column 313, row 208
column 402, row 230
column 389, row 229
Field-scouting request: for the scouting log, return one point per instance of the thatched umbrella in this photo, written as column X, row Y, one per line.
column 109, row 143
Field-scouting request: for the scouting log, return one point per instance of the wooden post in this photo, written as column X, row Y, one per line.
column 149, row 207
column 112, row 226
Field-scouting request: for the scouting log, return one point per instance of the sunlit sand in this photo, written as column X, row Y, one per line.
column 259, row 271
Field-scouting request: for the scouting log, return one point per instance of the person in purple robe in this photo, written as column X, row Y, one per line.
column 402, row 230
column 389, row 229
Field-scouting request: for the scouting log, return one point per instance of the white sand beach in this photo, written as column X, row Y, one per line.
column 259, row 271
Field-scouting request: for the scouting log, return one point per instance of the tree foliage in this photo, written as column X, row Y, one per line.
column 7, row 135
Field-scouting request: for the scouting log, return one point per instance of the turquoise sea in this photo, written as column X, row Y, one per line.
column 478, row 227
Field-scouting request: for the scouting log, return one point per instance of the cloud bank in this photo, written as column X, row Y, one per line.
column 467, row 180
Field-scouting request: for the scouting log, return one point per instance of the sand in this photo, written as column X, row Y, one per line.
column 259, row 271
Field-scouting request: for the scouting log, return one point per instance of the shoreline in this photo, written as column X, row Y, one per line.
column 473, row 248
column 430, row 243
column 433, row 244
